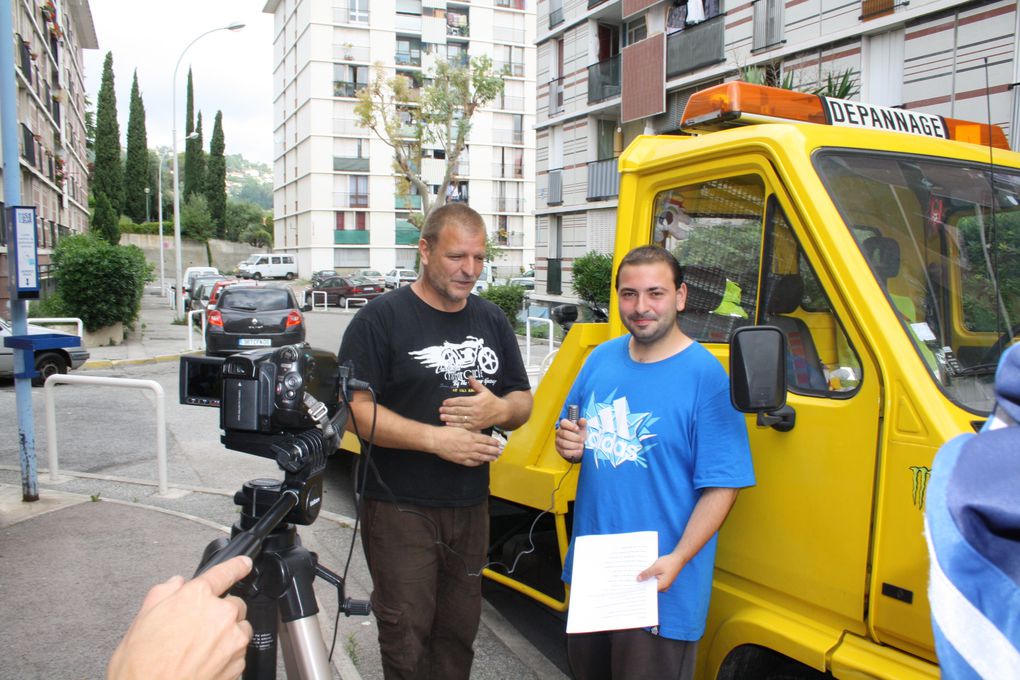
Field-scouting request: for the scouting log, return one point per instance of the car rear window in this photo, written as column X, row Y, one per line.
column 255, row 299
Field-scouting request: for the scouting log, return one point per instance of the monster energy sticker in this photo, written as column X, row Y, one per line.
column 920, row 490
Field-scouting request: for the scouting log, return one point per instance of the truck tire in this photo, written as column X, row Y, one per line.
column 290, row 276
column 47, row 364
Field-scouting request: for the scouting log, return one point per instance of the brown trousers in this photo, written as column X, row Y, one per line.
column 630, row 655
column 426, row 595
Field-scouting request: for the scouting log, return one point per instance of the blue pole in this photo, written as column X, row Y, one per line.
column 12, row 196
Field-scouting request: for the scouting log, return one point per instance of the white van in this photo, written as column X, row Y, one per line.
column 485, row 279
column 269, row 267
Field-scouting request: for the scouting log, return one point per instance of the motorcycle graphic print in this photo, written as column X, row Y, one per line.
column 457, row 361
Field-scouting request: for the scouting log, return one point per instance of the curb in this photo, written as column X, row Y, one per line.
column 112, row 363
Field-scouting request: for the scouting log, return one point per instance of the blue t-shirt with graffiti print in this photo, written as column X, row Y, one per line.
column 658, row 433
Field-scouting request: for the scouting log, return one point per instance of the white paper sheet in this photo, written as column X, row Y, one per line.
column 604, row 591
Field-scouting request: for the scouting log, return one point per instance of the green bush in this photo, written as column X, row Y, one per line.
column 146, row 228
column 53, row 306
column 98, row 282
column 593, row 278
column 508, row 298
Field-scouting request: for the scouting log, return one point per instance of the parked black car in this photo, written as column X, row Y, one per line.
column 247, row 317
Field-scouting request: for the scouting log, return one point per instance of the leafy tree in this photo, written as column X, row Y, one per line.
column 409, row 119
column 593, row 278
column 107, row 171
column 239, row 216
column 99, row 282
column 216, row 178
column 255, row 191
column 257, row 236
column 104, row 220
column 196, row 222
column 508, row 298
column 136, row 164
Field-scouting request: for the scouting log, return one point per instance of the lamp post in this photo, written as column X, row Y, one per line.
column 147, row 219
column 178, row 283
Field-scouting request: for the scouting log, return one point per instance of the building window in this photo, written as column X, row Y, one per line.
column 348, row 79
column 408, row 52
column 359, row 191
column 637, row 30
column 768, row 23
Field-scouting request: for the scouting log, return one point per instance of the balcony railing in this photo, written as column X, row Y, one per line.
column 406, row 234
column 509, row 103
column 510, row 35
column 594, row 3
column 457, row 30
column 346, row 164
column 554, row 276
column 509, row 68
column 604, row 80
column 459, row 59
column 505, row 136
column 346, row 15
column 349, row 127
column 351, row 237
column 603, row 179
column 555, row 96
column 412, row 202
column 555, row 16
column 511, row 4
column 408, row 23
column 504, row 204
column 507, row 171
column 359, row 53
column 405, row 58
column 345, row 88
column 343, row 199
column 695, row 47
column 26, row 60
column 554, row 195
column 513, row 239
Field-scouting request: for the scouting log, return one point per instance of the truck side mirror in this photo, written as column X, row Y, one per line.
column 758, row 375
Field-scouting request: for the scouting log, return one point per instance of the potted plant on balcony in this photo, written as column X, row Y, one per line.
column 49, row 10
column 348, row 51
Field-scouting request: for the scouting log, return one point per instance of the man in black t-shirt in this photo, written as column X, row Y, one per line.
column 447, row 368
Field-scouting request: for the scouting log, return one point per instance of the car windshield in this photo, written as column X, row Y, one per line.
column 369, row 272
column 255, row 299
column 941, row 238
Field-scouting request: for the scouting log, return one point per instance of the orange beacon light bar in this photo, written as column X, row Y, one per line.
column 738, row 103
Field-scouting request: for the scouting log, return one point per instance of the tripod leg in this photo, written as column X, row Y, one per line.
column 304, row 652
column 260, row 659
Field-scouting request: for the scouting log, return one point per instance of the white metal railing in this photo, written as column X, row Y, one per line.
column 191, row 327
column 527, row 337
column 347, row 301
column 60, row 319
column 78, row 379
column 325, row 299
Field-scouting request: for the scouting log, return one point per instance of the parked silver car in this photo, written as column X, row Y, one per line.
column 47, row 361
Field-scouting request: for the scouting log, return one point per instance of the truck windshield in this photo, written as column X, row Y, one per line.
column 941, row 237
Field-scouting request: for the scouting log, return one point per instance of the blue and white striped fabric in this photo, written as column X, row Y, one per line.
column 972, row 522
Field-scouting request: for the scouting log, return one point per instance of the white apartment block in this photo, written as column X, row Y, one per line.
column 336, row 202
column 609, row 70
column 49, row 36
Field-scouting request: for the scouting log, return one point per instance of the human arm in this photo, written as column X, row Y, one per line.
column 392, row 430
column 484, row 409
column 707, row 517
column 185, row 630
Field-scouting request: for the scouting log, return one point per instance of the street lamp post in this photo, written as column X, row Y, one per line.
column 178, row 283
column 147, row 218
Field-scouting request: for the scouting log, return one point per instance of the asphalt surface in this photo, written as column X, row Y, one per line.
column 76, row 564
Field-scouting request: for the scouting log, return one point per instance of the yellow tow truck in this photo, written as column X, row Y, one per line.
column 883, row 244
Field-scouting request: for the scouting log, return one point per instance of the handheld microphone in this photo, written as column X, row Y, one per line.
column 573, row 413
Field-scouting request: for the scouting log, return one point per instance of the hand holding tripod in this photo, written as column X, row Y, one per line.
column 279, row 587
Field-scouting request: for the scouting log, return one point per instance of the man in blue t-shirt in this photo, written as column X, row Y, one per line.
column 662, row 449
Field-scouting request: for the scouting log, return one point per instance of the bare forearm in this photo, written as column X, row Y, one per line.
column 708, row 516
column 518, row 405
column 391, row 429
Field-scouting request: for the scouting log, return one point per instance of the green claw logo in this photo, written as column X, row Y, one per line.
column 920, row 491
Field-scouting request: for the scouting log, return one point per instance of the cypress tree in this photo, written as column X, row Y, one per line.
column 136, row 176
column 105, row 224
column 195, row 169
column 107, row 171
column 189, row 144
column 216, row 178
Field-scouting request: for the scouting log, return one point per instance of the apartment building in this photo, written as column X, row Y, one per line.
column 49, row 37
column 336, row 201
column 609, row 70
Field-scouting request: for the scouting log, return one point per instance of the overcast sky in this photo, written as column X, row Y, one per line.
column 232, row 71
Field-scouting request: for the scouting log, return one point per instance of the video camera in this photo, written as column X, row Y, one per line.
column 282, row 403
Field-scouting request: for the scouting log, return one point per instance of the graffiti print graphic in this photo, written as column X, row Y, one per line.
column 457, row 361
column 617, row 436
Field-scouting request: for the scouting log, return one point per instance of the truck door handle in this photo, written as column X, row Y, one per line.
column 782, row 420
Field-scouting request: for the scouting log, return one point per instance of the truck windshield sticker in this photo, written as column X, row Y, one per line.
column 615, row 435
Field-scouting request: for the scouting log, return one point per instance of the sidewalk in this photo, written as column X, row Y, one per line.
column 75, row 565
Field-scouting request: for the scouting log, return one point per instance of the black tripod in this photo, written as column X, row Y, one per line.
column 279, row 588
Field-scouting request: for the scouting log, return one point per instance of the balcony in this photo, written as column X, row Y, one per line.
column 594, row 3
column 513, row 239
column 408, row 23
column 556, row 96
column 411, row 202
column 407, row 58
column 505, row 136
column 457, row 25
column 509, row 103
column 462, row 59
column 510, row 4
column 695, row 47
column 504, row 204
column 25, row 59
column 348, row 127
column 514, row 69
column 351, row 237
column 554, row 276
column 555, row 15
column 604, row 80
column 511, row 35
column 348, row 164
column 508, row 171
column 406, row 234
column 603, row 179
column 554, row 195
column 348, row 52
column 348, row 15
column 345, row 88
column 343, row 199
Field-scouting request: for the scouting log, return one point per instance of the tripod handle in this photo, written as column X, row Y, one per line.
column 249, row 542
column 349, row 606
